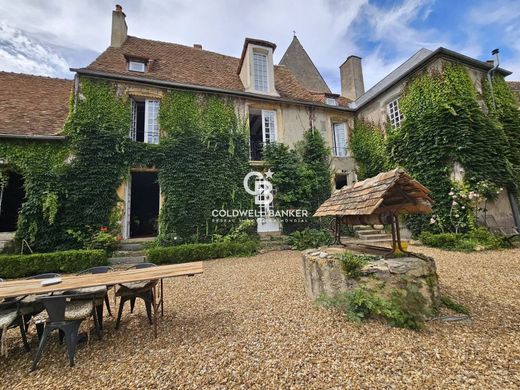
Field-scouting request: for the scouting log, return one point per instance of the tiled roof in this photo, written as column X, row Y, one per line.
column 514, row 85
column 33, row 105
column 389, row 192
column 176, row 63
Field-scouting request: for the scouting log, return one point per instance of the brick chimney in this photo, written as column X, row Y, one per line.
column 119, row 27
column 351, row 74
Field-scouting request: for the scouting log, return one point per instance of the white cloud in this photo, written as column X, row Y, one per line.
column 20, row 53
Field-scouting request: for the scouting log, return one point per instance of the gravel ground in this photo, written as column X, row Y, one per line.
column 247, row 323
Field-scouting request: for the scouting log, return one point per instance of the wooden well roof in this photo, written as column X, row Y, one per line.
column 392, row 192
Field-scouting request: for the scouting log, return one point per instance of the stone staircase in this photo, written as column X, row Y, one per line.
column 272, row 242
column 130, row 252
column 372, row 234
column 5, row 239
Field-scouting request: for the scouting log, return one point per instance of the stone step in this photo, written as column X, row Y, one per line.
column 274, row 246
column 371, row 231
column 127, row 260
column 130, row 246
column 128, row 253
column 362, row 227
column 376, row 237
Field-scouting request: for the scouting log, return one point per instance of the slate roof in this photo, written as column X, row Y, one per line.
column 412, row 64
column 171, row 62
column 389, row 192
column 301, row 65
column 33, row 105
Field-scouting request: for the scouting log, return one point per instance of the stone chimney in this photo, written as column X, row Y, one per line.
column 119, row 27
column 197, row 46
column 351, row 73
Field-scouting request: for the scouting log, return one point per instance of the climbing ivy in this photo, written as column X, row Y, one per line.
column 444, row 124
column 503, row 107
column 368, row 145
column 206, row 157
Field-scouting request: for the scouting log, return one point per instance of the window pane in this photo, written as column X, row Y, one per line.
column 152, row 122
column 260, row 72
column 394, row 113
column 269, row 126
column 340, row 140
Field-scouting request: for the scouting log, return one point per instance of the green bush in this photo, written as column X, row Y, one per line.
column 352, row 264
column 193, row 252
column 309, row 238
column 18, row 266
column 103, row 240
column 478, row 239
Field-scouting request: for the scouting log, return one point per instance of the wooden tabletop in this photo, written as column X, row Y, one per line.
column 16, row 288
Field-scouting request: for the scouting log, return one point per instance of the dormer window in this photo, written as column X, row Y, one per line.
column 331, row 101
column 136, row 66
column 260, row 71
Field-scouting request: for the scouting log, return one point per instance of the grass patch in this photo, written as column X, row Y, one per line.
column 452, row 305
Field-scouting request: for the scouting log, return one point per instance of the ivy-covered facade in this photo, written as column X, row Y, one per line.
column 160, row 135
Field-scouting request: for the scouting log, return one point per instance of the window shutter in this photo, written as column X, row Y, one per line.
column 133, row 126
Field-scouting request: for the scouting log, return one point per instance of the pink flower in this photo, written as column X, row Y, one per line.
column 104, row 229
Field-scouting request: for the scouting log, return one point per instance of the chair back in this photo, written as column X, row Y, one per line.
column 45, row 276
column 143, row 265
column 102, row 269
column 55, row 305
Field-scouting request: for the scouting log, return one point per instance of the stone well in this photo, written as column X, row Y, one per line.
column 324, row 275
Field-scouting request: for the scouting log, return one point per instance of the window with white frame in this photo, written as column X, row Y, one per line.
column 331, row 101
column 145, row 121
column 394, row 113
column 340, row 139
column 136, row 66
column 261, row 80
column 269, row 126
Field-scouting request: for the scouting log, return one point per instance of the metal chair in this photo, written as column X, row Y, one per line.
column 133, row 290
column 65, row 313
column 10, row 317
column 99, row 270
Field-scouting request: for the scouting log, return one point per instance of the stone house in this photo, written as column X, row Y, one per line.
column 279, row 102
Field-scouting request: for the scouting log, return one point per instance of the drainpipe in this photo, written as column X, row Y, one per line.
column 490, row 74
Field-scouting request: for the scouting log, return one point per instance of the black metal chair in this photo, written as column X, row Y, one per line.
column 98, row 270
column 10, row 317
column 133, row 290
column 65, row 314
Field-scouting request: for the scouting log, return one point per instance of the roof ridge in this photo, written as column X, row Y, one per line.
column 34, row 75
column 181, row 45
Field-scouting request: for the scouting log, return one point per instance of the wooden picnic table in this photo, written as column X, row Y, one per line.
column 17, row 288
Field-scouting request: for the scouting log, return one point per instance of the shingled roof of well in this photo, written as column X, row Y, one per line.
column 33, row 105
column 389, row 192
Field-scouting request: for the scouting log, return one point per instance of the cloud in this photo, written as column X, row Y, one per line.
column 20, row 53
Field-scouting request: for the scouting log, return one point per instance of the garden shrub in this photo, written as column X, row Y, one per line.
column 185, row 253
column 477, row 239
column 18, row 266
column 309, row 238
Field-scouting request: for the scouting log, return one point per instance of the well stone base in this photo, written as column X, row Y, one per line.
column 324, row 275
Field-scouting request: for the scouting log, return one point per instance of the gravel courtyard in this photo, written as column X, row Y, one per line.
column 247, row 323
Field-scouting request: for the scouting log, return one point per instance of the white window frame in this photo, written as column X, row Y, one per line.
column 259, row 73
column 340, row 150
column 151, row 121
column 136, row 66
column 331, row 101
column 269, row 132
column 394, row 113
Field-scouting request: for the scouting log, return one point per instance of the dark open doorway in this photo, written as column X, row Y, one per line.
column 144, row 205
column 12, row 198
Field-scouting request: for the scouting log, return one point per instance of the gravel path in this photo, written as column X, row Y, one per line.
column 247, row 323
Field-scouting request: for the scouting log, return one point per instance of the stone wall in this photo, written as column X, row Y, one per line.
column 324, row 275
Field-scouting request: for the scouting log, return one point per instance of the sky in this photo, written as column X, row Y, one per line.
column 47, row 37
